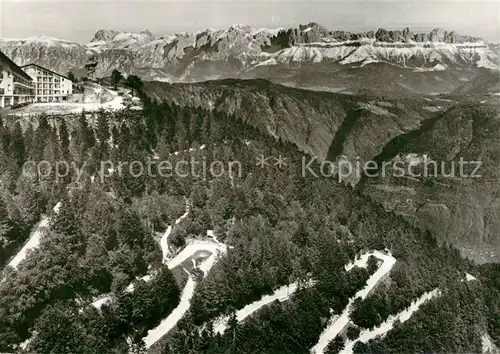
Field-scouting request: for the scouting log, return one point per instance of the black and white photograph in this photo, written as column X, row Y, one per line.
column 249, row 177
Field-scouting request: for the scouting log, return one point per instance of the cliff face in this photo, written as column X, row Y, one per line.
column 104, row 35
column 58, row 55
column 276, row 110
column 313, row 32
column 461, row 204
column 201, row 55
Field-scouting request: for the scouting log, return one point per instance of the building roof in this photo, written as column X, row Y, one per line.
column 41, row 67
column 5, row 60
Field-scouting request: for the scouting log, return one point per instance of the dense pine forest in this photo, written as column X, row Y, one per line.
column 281, row 226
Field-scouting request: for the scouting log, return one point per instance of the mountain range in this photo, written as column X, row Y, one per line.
column 284, row 55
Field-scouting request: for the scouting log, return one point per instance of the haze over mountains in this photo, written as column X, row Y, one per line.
column 241, row 51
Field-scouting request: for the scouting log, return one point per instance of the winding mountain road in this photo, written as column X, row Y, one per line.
column 337, row 324
column 34, row 240
column 164, row 239
column 215, row 248
column 367, row 334
column 281, row 294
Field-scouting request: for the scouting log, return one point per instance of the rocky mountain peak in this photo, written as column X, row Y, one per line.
column 147, row 33
column 240, row 28
column 383, row 35
column 107, row 35
column 407, row 36
column 438, row 35
column 186, row 56
column 441, row 35
column 314, row 26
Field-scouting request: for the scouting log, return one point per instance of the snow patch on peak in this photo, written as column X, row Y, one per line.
column 40, row 40
column 440, row 67
column 109, row 39
column 131, row 36
column 267, row 62
column 43, row 38
column 437, row 67
column 314, row 54
column 104, row 35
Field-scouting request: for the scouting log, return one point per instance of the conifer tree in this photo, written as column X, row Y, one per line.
column 29, row 138
column 102, row 131
column 5, row 226
column 58, row 331
column 163, row 147
column 28, row 200
column 40, row 139
column 335, row 346
column 16, row 145
column 4, row 137
column 86, row 135
column 116, row 78
column 64, row 140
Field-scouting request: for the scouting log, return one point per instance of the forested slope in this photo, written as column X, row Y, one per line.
column 281, row 226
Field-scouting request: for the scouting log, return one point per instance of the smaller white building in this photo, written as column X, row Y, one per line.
column 49, row 85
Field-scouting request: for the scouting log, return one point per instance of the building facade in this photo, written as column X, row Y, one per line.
column 16, row 86
column 49, row 85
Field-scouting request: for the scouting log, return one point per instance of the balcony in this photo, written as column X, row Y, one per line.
column 24, row 91
column 23, row 84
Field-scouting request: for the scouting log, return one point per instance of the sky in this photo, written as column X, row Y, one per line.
column 78, row 21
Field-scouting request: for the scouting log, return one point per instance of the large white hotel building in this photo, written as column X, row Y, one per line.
column 50, row 86
column 30, row 83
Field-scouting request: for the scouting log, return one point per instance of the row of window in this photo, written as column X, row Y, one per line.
column 40, row 72
column 50, row 99
column 47, row 79
column 50, row 86
column 50, row 92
